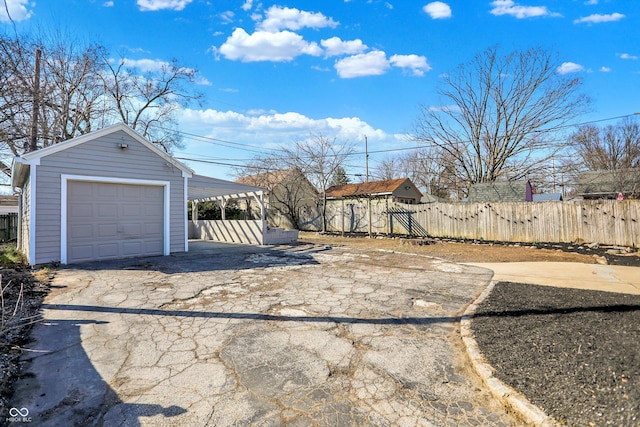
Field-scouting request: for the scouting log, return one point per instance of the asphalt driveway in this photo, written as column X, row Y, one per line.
column 237, row 335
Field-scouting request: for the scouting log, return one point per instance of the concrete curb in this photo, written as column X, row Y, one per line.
column 513, row 399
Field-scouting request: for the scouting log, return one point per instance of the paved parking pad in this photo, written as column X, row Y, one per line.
column 235, row 335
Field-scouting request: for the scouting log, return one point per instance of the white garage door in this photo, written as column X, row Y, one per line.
column 108, row 221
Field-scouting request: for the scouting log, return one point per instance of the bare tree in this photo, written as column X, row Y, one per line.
column 608, row 148
column 423, row 166
column 500, row 114
column 288, row 194
column 148, row 102
column 320, row 159
column 317, row 159
column 80, row 88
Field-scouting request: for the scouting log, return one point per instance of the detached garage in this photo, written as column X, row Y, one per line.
column 104, row 195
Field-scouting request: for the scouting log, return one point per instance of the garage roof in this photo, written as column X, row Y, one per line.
column 20, row 166
column 202, row 188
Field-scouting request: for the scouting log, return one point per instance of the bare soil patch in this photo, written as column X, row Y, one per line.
column 22, row 292
column 484, row 251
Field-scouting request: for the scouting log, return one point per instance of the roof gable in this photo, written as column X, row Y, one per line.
column 34, row 156
column 271, row 179
column 502, row 191
column 371, row 188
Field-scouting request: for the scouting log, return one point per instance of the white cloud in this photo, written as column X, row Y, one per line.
column 627, row 56
column 108, row 3
column 266, row 46
column 227, row 16
column 157, row 65
column 598, row 18
column 569, row 67
column 248, row 4
column 146, row 65
column 364, row 64
column 604, row 69
column 417, row 64
column 153, row 5
column 509, row 7
column 269, row 127
column 18, row 10
column 437, row 10
column 280, row 18
column 336, row 46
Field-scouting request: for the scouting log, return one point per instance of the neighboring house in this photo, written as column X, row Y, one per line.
column 400, row 190
column 8, row 204
column 290, row 193
column 548, row 197
column 609, row 184
column 105, row 195
column 501, row 191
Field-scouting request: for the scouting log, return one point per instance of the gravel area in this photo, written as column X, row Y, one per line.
column 573, row 353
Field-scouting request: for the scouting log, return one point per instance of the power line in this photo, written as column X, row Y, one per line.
column 424, row 145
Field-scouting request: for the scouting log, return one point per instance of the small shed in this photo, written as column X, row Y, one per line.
column 103, row 195
column 501, row 191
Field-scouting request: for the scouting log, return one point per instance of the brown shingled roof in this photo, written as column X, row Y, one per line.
column 373, row 188
column 267, row 179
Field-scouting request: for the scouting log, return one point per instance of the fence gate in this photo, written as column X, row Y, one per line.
column 403, row 221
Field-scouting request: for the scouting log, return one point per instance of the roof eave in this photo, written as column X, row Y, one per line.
column 19, row 172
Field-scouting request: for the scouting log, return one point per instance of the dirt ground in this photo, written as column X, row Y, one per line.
column 482, row 251
column 21, row 295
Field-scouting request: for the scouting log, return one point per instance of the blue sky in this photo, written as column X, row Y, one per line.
column 276, row 72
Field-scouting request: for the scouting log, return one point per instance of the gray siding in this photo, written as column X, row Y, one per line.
column 102, row 157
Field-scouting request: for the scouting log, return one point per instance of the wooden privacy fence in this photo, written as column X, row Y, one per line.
column 608, row 222
column 8, row 227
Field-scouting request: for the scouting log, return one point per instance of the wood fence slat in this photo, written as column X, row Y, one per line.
column 608, row 222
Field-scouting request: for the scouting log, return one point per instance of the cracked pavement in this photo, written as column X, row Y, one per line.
column 226, row 335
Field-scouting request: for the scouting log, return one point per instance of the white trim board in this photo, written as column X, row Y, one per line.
column 64, row 179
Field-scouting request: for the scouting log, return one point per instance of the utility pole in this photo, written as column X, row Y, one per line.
column 366, row 164
column 366, row 158
column 33, row 142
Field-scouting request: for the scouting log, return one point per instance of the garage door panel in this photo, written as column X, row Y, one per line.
column 131, row 210
column 80, row 252
column 107, row 230
column 107, row 250
column 81, row 231
column 105, row 210
column 108, row 190
column 80, row 211
column 107, row 221
column 130, row 231
column 131, row 248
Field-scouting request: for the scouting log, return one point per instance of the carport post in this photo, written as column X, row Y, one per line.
column 194, row 211
column 260, row 199
column 222, row 204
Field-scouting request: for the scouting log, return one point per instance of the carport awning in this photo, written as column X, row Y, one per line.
column 203, row 188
